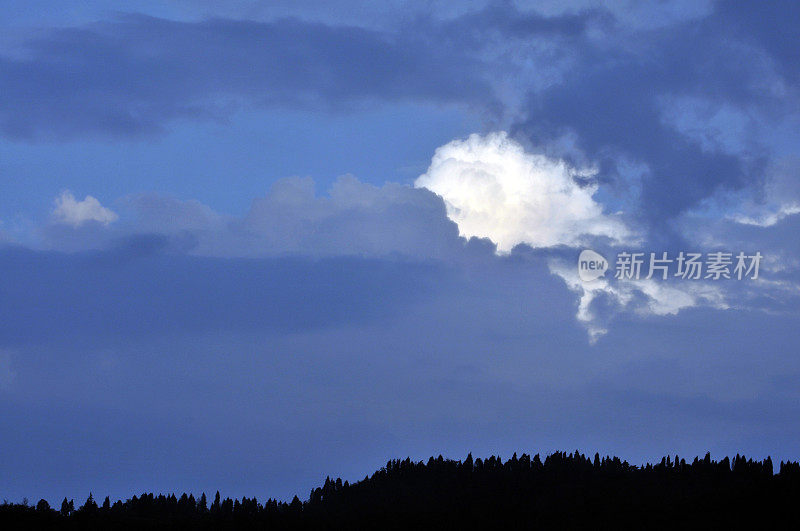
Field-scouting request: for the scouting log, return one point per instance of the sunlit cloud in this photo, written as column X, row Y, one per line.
column 494, row 189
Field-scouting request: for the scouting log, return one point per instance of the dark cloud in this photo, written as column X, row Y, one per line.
column 139, row 289
column 616, row 103
column 134, row 75
column 770, row 25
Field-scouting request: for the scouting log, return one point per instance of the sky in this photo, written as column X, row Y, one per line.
column 247, row 247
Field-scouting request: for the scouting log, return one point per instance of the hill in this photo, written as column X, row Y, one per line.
column 565, row 490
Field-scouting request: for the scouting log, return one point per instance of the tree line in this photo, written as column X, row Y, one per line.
column 563, row 490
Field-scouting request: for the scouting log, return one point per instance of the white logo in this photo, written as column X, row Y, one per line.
column 591, row 265
column 685, row 265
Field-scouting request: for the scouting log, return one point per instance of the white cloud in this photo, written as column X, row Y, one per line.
column 494, row 189
column 70, row 211
column 644, row 296
column 768, row 219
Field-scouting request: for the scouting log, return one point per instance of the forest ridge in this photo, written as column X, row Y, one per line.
column 564, row 490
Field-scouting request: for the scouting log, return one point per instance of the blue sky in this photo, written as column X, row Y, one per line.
column 246, row 248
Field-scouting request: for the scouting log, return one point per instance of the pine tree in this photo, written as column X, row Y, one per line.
column 90, row 505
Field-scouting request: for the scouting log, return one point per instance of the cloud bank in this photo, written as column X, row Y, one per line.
column 414, row 225
column 480, row 196
column 351, row 218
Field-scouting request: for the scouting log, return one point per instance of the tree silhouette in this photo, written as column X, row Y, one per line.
column 566, row 490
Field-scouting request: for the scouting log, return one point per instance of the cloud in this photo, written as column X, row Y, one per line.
column 352, row 219
column 778, row 286
column 698, row 104
column 136, row 74
column 646, row 297
column 143, row 290
column 355, row 218
column 494, row 189
column 72, row 212
column 158, row 213
column 779, row 198
column 770, row 218
column 491, row 189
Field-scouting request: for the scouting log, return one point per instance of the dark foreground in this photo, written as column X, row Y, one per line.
column 563, row 491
